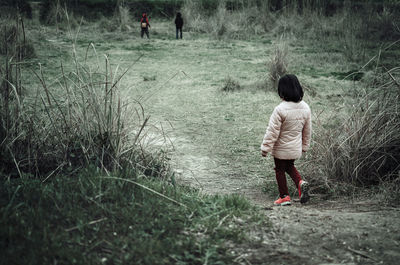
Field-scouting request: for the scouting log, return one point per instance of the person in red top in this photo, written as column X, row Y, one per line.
column 145, row 25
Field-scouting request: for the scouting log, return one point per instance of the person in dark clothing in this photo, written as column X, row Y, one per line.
column 179, row 24
column 144, row 25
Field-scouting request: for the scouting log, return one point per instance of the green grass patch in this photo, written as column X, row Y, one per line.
column 92, row 219
column 148, row 47
column 354, row 75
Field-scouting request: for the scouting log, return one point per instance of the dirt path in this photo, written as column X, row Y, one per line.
column 320, row 232
column 200, row 171
column 331, row 233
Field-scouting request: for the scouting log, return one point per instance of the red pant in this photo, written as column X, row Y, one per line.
column 282, row 166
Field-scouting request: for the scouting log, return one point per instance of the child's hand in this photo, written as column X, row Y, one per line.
column 264, row 154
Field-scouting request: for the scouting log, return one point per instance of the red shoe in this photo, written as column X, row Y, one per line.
column 303, row 191
column 283, row 201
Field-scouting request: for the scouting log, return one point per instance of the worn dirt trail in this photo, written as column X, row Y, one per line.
column 319, row 232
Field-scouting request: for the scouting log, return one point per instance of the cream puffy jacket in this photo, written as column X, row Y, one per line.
column 289, row 130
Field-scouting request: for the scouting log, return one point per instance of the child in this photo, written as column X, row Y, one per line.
column 144, row 25
column 287, row 136
column 178, row 24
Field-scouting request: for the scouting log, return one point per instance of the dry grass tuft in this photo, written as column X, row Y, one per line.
column 120, row 21
column 123, row 18
column 278, row 64
column 231, row 85
column 222, row 23
column 55, row 13
column 362, row 149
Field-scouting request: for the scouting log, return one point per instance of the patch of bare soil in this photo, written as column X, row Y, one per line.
column 319, row 232
column 330, row 232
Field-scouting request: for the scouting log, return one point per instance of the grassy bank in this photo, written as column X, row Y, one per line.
column 91, row 218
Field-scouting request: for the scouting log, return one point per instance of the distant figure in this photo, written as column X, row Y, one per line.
column 179, row 24
column 144, row 25
column 288, row 135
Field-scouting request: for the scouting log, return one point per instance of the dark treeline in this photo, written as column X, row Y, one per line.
column 94, row 8
column 91, row 9
column 14, row 6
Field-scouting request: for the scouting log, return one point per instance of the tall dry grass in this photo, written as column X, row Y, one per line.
column 361, row 149
column 13, row 39
column 224, row 23
column 120, row 21
column 58, row 14
column 350, row 28
column 278, row 64
column 78, row 119
column 11, row 90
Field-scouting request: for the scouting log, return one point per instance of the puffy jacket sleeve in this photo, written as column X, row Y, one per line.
column 273, row 131
column 306, row 134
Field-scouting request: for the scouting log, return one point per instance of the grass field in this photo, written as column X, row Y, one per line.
column 180, row 84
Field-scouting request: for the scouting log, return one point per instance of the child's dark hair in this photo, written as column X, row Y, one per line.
column 289, row 88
